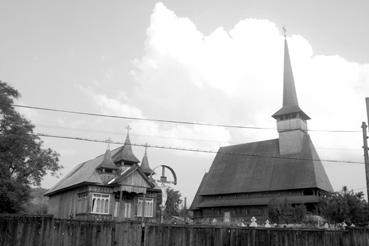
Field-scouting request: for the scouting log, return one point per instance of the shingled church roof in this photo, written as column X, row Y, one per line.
column 259, row 167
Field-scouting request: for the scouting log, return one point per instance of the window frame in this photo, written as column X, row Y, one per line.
column 102, row 203
column 149, row 207
column 127, row 210
column 82, row 201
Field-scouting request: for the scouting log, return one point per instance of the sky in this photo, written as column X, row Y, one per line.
column 219, row 62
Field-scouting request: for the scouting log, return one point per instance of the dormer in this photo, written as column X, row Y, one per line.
column 107, row 169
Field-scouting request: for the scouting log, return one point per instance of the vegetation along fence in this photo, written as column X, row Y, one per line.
column 44, row 230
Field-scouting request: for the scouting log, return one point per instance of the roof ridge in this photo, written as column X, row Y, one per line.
column 243, row 144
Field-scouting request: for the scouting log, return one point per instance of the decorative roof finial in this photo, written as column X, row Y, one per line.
column 284, row 31
column 109, row 141
column 146, row 146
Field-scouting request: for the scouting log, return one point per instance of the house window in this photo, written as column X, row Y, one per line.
column 100, row 203
column 81, row 203
column 116, row 209
column 149, row 207
column 127, row 210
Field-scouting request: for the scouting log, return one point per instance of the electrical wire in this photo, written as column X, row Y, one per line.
column 197, row 150
column 39, row 125
column 166, row 121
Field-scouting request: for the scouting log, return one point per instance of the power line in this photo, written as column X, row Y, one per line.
column 120, row 133
column 197, row 150
column 162, row 137
column 141, row 119
column 166, row 121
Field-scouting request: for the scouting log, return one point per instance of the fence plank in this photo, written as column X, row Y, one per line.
column 35, row 231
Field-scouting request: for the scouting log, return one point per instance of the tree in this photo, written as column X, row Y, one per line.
column 37, row 204
column 345, row 205
column 172, row 204
column 23, row 161
column 286, row 213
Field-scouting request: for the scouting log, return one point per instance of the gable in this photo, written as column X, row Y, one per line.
column 134, row 178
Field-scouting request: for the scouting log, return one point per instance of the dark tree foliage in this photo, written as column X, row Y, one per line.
column 172, row 204
column 285, row 213
column 345, row 205
column 37, row 204
column 23, row 161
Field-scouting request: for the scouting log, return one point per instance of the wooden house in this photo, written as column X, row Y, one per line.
column 112, row 186
column 245, row 179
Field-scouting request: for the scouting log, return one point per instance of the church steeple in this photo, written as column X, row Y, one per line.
column 289, row 90
column 291, row 120
column 290, row 103
column 125, row 153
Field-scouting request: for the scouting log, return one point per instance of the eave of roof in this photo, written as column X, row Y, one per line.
column 261, row 201
column 286, row 110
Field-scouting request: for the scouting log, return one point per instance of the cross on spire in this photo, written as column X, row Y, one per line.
column 128, row 129
column 109, row 141
column 284, row 31
column 146, row 146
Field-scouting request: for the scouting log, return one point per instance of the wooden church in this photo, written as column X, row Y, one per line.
column 245, row 179
column 112, row 186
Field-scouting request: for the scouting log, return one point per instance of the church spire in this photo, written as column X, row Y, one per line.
column 289, row 90
column 290, row 102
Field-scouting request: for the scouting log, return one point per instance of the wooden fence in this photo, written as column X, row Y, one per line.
column 44, row 230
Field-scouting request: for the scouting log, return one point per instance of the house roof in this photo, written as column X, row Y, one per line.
column 86, row 173
column 290, row 102
column 145, row 164
column 125, row 153
column 258, row 166
column 107, row 161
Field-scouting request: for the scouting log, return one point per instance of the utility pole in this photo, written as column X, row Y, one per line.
column 365, row 148
column 367, row 108
column 366, row 157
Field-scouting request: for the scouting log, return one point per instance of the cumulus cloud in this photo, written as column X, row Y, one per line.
column 235, row 76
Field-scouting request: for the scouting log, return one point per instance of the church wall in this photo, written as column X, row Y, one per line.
column 291, row 124
column 236, row 214
column 239, row 211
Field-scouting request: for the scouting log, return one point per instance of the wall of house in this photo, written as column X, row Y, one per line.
column 133, row 200
column 65, row 204
column 62, row 205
